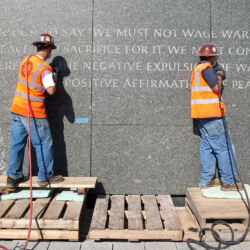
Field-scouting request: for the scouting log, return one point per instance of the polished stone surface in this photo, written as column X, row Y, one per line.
column 145, row 159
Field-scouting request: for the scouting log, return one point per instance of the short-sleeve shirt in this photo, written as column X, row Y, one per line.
column 210, row 77
column 47, row 77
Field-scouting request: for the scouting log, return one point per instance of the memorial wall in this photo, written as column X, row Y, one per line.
column 122, row 108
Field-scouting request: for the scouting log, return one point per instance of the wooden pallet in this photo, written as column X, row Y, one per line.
column 204, row 211
column 135, row 218
column 51, row 219
column 73, row 183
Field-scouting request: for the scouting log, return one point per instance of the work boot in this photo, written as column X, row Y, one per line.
column 12, row 183
column 52, row 180
column 212, row 183
column 235, row 187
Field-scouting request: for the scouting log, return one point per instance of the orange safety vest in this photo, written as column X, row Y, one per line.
column 36, row 89
column 204, row 101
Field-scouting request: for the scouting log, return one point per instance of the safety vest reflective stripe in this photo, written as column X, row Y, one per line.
column 31, row 85
column 202, row 89
column 32, row 98
column 198, row 88
column 37, row 71
column 204, row 101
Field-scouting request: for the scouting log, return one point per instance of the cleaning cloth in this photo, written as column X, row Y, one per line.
column 215, row 192
column 25, row 194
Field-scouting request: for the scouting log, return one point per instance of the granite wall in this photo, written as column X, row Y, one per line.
column 123, row 109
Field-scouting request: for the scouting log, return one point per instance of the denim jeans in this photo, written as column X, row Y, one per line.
column 214, row 148
column 41, row 140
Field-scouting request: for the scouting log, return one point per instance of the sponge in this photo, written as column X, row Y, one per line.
column 25, row 194
column 215, row 192
column 69, row 196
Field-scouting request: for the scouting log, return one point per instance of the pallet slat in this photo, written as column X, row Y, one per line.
column 73, row 210
column 116, row 218
column 100, row 212
column 153, row 218
column 69, row 182
column 54, row 210
column 171, row 220
column 18, row 209
column 39, row 206
column 134, row 213
column 5, row 206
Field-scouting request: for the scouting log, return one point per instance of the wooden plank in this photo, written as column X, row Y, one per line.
column 116, row 218
column 171, row 220
column 39, row 205
column 73, row 210
column 5, row 206
column 100, row 213
column 18, row 209
column 153, row 221
column 60, row 224
column 39, row 234
column 54, row 210
column 135, row 235
column 134, row 213
column 211, row 208
column 69, row 182
column 187, row 223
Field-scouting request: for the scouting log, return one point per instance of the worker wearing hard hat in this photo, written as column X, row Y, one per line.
column 206, row 110
column 39, row 75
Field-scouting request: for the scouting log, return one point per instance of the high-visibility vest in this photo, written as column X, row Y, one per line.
column 36, row 89
column 204, row 101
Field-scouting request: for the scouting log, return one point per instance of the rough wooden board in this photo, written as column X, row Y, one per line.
column 134, row 212
column 100, row 213
column 171, row 220
column 73, row 210
column 135, row 235
column 18, row 209
column 4, row 206
column 212, row 208
column 116, row 218
column 39, row 234
column 186, row 223
column 39, row 206
column 153, row 221
column 39, row 224
column 69, row 182
column 54, row 210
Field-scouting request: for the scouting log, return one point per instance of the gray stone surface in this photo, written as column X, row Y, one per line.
column 57, row 245
column 138, row 96
column 87, row 245
column 144, row 159
column 125, row 66
column 128, row 246
column 39, row 245
column 230, row 22
column 160, row 246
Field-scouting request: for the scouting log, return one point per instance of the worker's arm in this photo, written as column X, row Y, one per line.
column 51, row 90
column 215, row 88
column 48, row 82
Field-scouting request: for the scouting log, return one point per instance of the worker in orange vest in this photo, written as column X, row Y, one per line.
column 40, row 80
column 206, row 82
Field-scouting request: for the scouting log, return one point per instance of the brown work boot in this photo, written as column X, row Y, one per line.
column 212, row 183
column 12, row 183
column 52, row 180
column 235, row 187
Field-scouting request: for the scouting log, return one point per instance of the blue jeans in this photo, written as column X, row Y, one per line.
column 41, row 140
column 214, row 148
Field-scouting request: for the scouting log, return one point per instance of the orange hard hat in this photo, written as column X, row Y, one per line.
column 208, row 50
column 45, row 39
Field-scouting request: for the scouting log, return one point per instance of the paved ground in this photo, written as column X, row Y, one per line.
column 89, row 245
